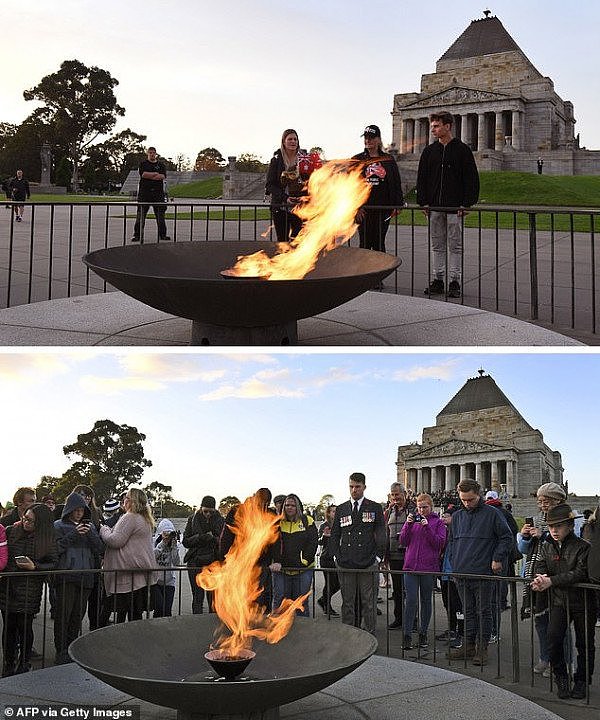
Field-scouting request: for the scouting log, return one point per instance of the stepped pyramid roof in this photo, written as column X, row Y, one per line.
column 486, row 36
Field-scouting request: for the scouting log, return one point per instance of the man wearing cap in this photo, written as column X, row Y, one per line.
column 381, row 173
column 357, row 542
column 562, row 563
column 447, row 178
column 480, row 541
column 201, row 538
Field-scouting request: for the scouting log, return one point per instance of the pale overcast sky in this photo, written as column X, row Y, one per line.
column 300, row 422
column 234, row 74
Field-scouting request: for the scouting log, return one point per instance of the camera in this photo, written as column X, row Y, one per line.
column 417, row 518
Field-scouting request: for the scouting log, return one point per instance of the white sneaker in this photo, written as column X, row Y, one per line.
column 539, row 668
column 547, row 672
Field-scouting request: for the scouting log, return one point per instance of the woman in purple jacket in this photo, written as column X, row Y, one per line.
column 424, row 536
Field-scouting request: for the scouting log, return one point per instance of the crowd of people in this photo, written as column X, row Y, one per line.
column 470, row 547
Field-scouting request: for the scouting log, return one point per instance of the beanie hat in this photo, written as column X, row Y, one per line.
column 551, row 490
column 110, row 505
column 491, row 495
column 208, row 501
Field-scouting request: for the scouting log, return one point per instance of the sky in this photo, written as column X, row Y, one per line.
column 234, row 74
column 226, row 424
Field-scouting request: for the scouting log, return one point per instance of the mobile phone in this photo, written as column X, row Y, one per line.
column 529, row 521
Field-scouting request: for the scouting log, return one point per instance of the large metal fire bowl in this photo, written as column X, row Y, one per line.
column 184, row 279
column 162, row 661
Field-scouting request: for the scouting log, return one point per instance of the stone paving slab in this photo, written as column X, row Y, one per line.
column 371, row 319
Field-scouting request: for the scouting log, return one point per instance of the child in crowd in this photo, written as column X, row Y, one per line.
column 563, row 562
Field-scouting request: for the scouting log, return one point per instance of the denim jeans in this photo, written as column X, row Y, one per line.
column 446, row 232
column 292, row 587
column 418, row 587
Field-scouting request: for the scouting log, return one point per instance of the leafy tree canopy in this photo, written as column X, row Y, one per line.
column 79, row 102
column 209, row 159
column 111, row 459
column 227, row 503
column 248, row 162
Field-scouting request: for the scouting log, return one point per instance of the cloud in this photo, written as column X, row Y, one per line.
column 30, row 367
column 170, row 368
column 255, row 388
column 115, row 386
column 441, row 371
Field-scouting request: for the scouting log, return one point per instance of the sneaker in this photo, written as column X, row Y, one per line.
column 446, row 635
column 396, row 625
column 494, row 638
column 423, row 641
column 547, row 672
column 166, row 237
column 540, row 666
column 407, row 644
column 135, row 238
column 460, row 653
column 435, row 287
column 457, row 642
column 454, row 289
column 35, row 654
column 579, row 690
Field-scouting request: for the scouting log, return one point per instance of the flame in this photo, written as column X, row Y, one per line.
column 335, row 193
column 236, row 587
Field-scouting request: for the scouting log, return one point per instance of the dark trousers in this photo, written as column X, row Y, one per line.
column 126, row 606
column 397, row 587
column 198, row 594
column 359, row 597
column 287, row 225
column 70, row 604
column 476, row 596
column 17, row 640
column 332, row 581
column 162, row 599
column 373, row 229
column 557, row 626
column 452, row 604
column 159, row 212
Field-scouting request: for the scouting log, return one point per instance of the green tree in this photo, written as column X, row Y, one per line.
column 227, row 503
column 209, row 159
column 79, row 102
column 321, row 506
column 47, row 486
column 111, row 459
column 248, row 162
column 63, row 173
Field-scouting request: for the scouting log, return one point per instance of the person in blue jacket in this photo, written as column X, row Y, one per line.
column 78, row 546
column 480, row 543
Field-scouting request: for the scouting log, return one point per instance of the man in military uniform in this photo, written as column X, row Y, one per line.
column 358, row 541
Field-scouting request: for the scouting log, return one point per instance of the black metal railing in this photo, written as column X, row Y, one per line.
column 532, row 263
column 512, row 656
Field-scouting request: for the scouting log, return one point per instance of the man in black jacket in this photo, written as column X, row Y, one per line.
column 447, row 178
column 201, row 538
column 151, row 190
column 19, row 192
column 358, row 542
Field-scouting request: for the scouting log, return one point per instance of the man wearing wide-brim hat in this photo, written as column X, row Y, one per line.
column 562, row 564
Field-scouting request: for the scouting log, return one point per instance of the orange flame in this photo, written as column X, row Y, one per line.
column 235, row 583
column 335, row 193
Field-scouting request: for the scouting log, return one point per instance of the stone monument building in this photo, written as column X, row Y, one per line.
column 503, row 108
column 480, row 435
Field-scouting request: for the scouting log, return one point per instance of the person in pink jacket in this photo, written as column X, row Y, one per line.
column 424, row 536
column 130, row 553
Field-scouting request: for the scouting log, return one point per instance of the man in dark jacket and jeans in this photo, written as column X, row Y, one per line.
column 201, row 538
column 480, row 543
column 447, row 178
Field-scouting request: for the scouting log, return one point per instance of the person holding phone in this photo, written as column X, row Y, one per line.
column 31, row 548
column 78, row 547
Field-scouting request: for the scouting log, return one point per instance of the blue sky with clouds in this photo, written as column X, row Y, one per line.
column 234, row 74
column 299, row 422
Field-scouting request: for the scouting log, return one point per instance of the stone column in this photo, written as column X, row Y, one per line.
column 478, row 472
column 403, row 136
column 410, row 137
column 436, row 480
column 495, row 485
column 463, row 472
column 419, row 484
column 464, row 129
column 499, row 142
column 516, row 129
column 510, row 478
column 481, row 140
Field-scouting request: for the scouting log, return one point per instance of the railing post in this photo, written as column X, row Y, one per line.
column 533, row 268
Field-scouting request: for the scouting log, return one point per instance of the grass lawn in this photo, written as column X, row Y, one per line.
column 209, row 188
